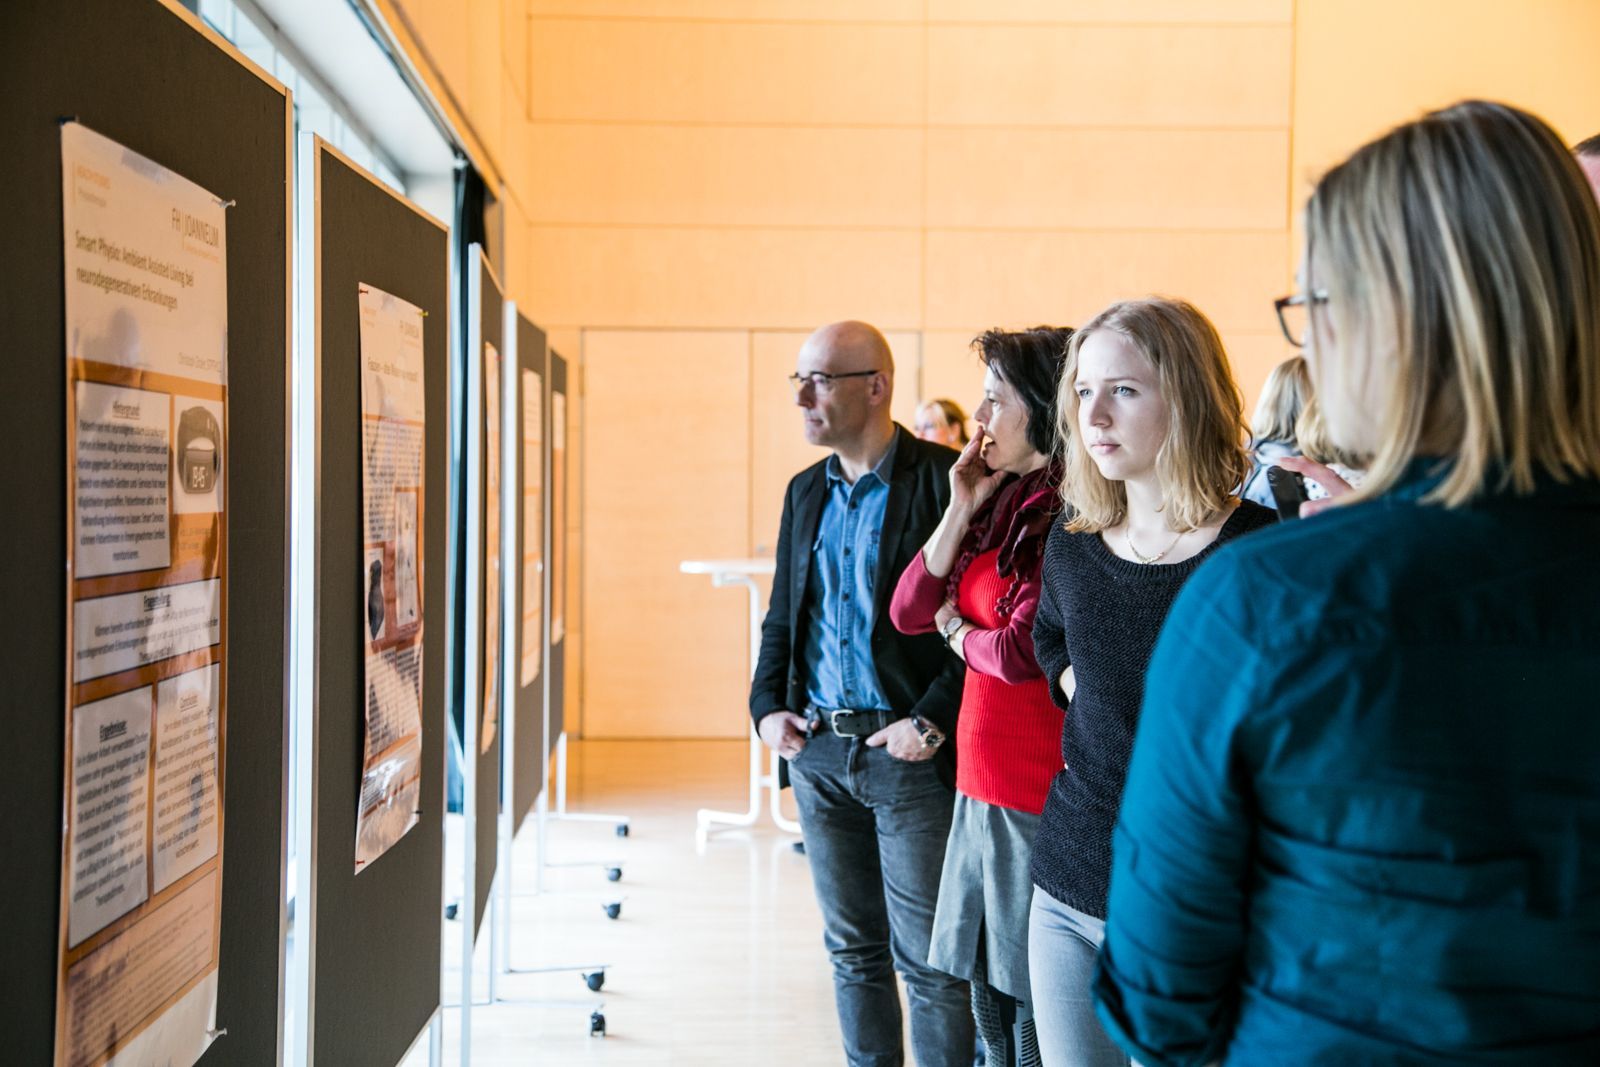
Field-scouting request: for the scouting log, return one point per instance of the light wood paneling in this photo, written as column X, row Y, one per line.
column 514, row 55
column 1115, row 11
column 1542, row 58
column 726, row 175
column 778, row 448
column 727, row 72
column 736, row 10
column 1108, row 76
column 665, row 652
column 441, row 30
column 1064, row 277
column 1253, row 355
column 951, row 369
column 485, row 88
column 682, row 277
column 1107, row 179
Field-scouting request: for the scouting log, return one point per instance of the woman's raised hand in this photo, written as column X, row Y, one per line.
column 971, row 481
column 1324, row 476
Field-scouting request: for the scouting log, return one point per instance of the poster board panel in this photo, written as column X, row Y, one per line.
column 527, row 617
column 64, row 59
column 376, row 938
column 560, row 583
column 485, row 371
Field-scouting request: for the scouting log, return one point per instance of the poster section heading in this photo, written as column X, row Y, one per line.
column 146, row 372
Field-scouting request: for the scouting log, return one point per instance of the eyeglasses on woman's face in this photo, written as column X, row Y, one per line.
column 821, row 382
column 1294, row 314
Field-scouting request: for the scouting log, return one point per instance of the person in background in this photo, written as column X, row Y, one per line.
column 942, row 422
column 1362, row 822
column 976, row 583
column 1588, row 153
column 1154, row 448
column 861, row 711
column 1272, row 430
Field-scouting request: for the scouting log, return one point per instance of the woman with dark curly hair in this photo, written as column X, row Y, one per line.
column 976, row 582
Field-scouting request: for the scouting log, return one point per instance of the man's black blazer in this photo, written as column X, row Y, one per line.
column 919, row 675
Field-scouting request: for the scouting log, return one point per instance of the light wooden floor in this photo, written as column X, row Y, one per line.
column 717, row 957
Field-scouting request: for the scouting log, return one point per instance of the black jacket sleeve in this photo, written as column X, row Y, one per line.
column 769, row 687
column 940, row 704
column 1049, row 638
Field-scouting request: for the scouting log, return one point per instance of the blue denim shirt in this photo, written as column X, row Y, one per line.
column 1362, row 821
column 841, row 588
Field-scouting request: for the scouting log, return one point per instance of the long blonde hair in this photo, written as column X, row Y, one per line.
column 1465, row 247
column 1283, row 398
column 1203, row 458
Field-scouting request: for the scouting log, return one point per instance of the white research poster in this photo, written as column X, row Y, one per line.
column 147, row 461
column 392, row 437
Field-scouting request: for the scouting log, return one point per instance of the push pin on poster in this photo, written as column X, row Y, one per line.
column 212, row 1035
column 225, row 204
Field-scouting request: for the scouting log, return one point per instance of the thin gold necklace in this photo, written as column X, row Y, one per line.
column 1140, row 556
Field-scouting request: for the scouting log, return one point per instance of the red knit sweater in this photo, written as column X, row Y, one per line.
column 1008, row 736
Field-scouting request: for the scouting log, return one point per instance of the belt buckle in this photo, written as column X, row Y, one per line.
column 833, row 720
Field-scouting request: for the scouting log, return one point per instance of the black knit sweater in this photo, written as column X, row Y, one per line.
column 1100, row 614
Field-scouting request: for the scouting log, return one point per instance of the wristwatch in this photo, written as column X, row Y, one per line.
column 932, row 736
column 955, row 623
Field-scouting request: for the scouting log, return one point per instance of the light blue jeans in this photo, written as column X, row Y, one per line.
column 1062, row 945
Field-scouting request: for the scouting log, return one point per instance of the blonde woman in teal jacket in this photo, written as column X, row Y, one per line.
column 1362, row 820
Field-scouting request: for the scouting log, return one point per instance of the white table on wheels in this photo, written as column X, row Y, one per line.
column 726, row 572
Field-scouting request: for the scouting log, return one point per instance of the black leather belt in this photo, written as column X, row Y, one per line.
column 847, row 722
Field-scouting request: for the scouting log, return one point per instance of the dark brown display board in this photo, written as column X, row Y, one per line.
column 191, row 104
column 559, row 555
column 486, row 306
column 374, row 936
column 529, row 760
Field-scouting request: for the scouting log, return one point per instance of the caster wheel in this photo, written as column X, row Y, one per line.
column 597, row 1024
column 622, row 829
column 595, row 980
column 613, row 874
column 451, row 910
column 614, row 909
column 800, row 847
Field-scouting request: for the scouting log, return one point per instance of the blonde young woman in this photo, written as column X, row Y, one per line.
column 1362, row 823
column 1154, row 432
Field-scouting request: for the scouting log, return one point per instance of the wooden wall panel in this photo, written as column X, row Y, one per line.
column 1107, row 179
column 1109, row 76
column 736, row 10
column 665, row 653
column 697, row 277
column 514, row 54
column 1542, row 58
column 726, row 175
column 484, row 97
column 728, row 72
column 1028, row 277
column 1114, row 11
column 951, row 369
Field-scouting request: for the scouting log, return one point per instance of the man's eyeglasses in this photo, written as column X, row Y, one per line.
column 821, row 382
column 1294, row 316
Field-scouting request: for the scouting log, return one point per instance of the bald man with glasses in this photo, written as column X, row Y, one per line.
column 865, row 715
